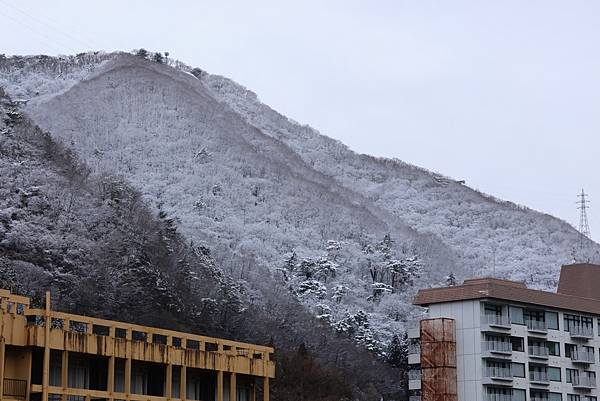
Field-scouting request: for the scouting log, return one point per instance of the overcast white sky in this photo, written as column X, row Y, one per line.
column 504, row 94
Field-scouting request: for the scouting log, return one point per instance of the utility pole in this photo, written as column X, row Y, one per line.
column 584, row 237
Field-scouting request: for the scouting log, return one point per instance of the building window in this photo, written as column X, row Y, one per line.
column 518, row 395
column 570, row 350
column 553, row 348
column 491, row 309
column 573, row 397
column 577, row 321
column 499, row 391
column 554, row 374
column 552, row 320
column 589, row 351
column 538, row 316
column 590, row 398
column 516, row 315
column 554, row 397
column 518, row 369
column 517, row 344
column 572, row 375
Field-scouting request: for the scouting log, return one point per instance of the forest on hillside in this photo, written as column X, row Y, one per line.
column 93, row 241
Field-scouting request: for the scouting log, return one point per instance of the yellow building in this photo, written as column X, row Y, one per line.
column 78, row 358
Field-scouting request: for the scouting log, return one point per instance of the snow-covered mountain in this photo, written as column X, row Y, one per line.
column 351, row 236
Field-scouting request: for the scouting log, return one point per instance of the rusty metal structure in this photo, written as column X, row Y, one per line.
column 438, row 360
column 53, row 356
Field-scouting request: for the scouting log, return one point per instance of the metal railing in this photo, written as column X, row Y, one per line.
column 498, row 397
column 497, row 372
column 581, row 331
column 497, row 346
column 538, row 350
column 495, row 320
column 15, row 388
column 582, row 356
column 414, row 398
column 538, row 397
column 537, row 325
column 584, row 381
column 538, row 376
column 414, row 374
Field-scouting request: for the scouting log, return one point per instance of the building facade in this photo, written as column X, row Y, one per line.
column 48, row 355
column 497, row 340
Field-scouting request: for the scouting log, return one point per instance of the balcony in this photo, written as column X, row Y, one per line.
column 414, row 354
column 582, row 357
column 494, row 323
column 581, row 332
column 498, row 397
column 414, row 333
column 584, row 382
column 414, row 379
column 414, row 374
column 16, row 389
column 414, row 398
column 497, row 375
column 414, row 384
column 538, row 352
column 414, row 349
column 537, row 326
column 537, row 377
column 496, row 349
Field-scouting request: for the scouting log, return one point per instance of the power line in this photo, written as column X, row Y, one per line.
column 43, row 37
column 67, row 35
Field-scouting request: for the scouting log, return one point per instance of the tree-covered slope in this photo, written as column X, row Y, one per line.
column 245, row 194
column 92, row 239
column 350, row 236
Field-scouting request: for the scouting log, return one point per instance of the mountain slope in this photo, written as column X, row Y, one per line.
column 94, row 242
column 264, row 191
column 526, row 245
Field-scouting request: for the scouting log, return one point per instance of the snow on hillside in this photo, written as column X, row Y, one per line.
column 484, row 231
column 263, row 190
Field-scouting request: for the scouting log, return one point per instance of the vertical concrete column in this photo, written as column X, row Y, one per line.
column 46, row 364
column 169, row 389
column 110, row 380
column 233, row 387
column 183, row 383
column 64, row 374
column 2, row 358
column 2, row 346
column 266, row 389
column 220, row 385
column 29, row 362
column 169, row 373
column 128, row 337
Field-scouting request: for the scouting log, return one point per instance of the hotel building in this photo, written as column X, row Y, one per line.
column 497, row 340
column 48, row 355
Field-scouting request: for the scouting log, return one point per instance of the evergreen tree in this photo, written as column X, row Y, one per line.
column 451, row 280
column 143, row 53
column 158, row 57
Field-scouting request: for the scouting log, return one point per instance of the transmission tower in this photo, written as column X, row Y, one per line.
column 584, row 228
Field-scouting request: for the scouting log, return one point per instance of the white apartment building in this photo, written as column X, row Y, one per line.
column 497, row 340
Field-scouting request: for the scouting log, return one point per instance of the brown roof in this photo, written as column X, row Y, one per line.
column 494, row 288
column 582, row 280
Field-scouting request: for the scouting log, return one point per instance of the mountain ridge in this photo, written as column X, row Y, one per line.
column 260, row 188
